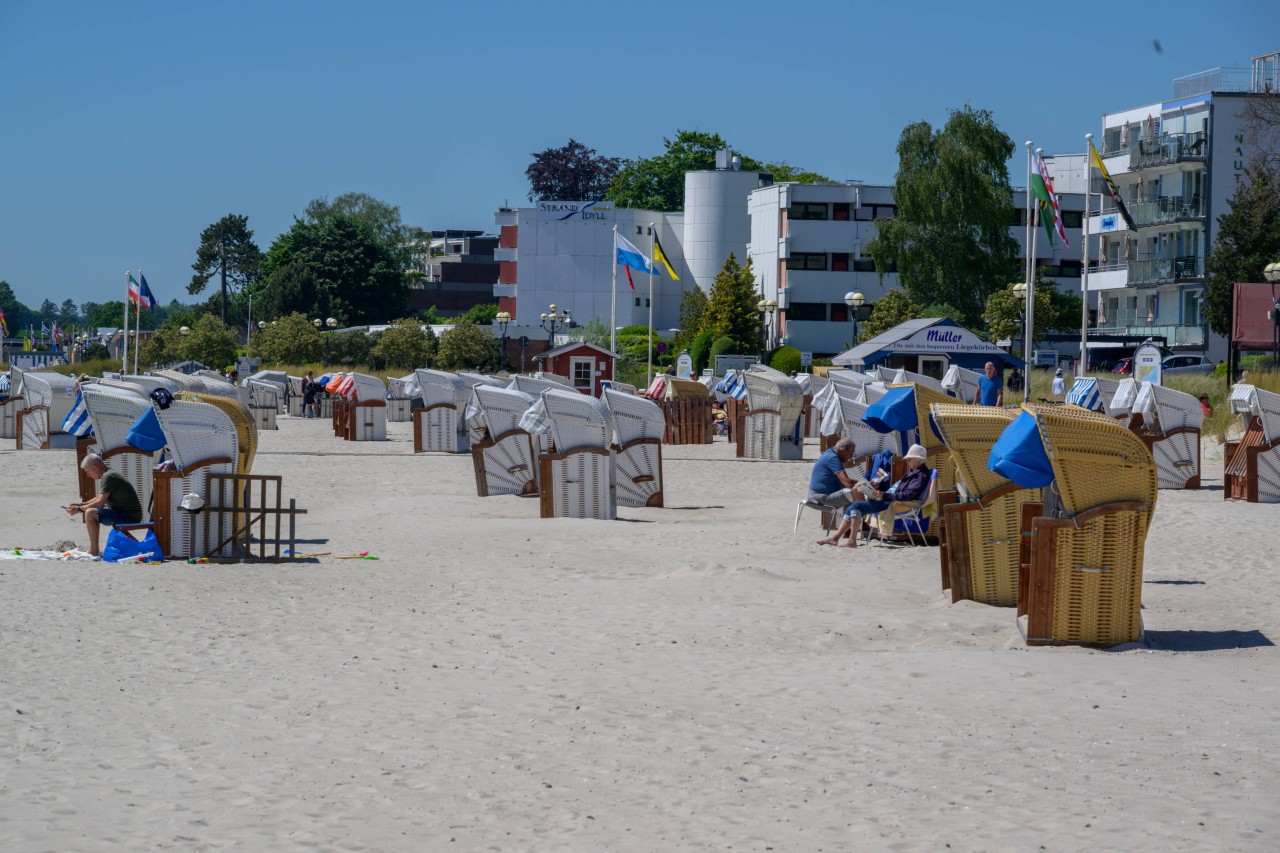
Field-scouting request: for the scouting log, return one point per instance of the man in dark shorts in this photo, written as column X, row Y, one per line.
column 115, row 503
column 308, row 396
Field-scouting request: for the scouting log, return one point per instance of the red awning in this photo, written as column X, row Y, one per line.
column 1252, row 326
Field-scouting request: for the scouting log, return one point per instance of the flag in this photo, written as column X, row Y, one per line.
column 1096, row 159
column 140, row 293
column 627, row 270
column 148, row 300
column 1042, row 189
column 77, row 421
column 4, row 327
column 660, row 259
column 629, row 256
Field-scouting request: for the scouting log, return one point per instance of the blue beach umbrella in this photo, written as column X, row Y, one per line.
column 894, row 412
column 146, row 434
column 1019, row 454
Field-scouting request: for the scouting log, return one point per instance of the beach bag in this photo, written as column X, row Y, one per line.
column 121, row 546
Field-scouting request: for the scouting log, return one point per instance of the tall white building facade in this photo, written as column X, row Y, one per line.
column 1177, row 164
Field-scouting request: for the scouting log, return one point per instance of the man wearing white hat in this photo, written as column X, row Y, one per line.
column 911, row 487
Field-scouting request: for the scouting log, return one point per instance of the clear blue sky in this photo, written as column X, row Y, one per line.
column 129, row 127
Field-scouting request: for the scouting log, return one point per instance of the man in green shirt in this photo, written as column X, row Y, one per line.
column 115, row 503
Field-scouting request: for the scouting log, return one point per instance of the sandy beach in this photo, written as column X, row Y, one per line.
column 690, row 678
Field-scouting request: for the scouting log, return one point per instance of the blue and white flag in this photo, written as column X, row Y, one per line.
column 77, row 421
column 1084, row 393
column 630, row 256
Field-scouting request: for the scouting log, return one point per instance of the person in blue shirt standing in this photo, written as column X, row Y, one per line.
column 990, row 388
column 829, row 484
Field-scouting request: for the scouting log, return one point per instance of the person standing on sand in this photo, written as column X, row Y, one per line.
column 990, row 387
column 115, row 503
column 1059, row 385
column 308, row 396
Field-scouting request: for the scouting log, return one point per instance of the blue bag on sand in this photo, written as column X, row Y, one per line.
column 122, row 546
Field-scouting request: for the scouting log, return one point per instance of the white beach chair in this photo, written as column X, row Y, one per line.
column 264, row 403
column 771, row 427
column 202, row 440
column 49, row 397
column 1120, row 403
column 113, row 411
column 368, row 409
column 151, row 383
column 1168, row 422
column 638, row 427
column 852, row 407
column 1252, row 471
column 276, row 378
column 181, row 381
column 961, row 383
column 554, row 377
column 620, row 387
column 503, row 453
column 400, row 394
column 439, row 426
column 576, row 479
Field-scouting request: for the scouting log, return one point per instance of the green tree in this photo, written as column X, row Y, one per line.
column 67, row 313
column 693, row 305
column 351, row 348
column 700, row 350
column 48, row 312
column 731, row 307
column 406, row 345
column 595, row 331
column 786, row 359
column 291, row 339
column 481, row 315
column 633, row 343
column 160, row 348
column 571, row 172
column 111, row 315
column 16, row 315
column 467, row 347
column 722, row 346
column 894, row 307
column 941, row 309
column 1248, row 239
column 288, row 289
column 226, row 250
column 209, row 341
column 381, row 220
column 950, row 238
column 784, row 172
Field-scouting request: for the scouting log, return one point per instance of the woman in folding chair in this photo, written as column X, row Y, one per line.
column 115, row 503
column 911, row 487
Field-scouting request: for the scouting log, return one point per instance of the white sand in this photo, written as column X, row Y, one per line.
column 695, row 677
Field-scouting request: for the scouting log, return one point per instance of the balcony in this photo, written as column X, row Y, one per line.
column 1174, row 208
column 1165, row 270
column 1173, row 335
column 1170, row 148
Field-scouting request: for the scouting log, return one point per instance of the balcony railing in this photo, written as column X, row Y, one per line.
column 1213, row 80
column 1165, row 270
column 1174, row 335
column 1171, row 208
column 1170, row 148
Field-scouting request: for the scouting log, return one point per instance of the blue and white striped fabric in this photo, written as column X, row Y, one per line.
column 1084, row 393
column 733, row 385
column 6, row 384
column 77, row 421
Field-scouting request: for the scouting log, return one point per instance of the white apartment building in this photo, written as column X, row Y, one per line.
column 808, row 249
column 1176, row 163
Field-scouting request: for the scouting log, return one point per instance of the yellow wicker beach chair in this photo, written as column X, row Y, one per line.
column 980, row 560
column 246, row 430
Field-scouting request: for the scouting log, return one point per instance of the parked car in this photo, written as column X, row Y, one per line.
column 1182, row 365
column 1124, row 366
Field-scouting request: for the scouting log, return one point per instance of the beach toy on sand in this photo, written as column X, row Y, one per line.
column 363, row 555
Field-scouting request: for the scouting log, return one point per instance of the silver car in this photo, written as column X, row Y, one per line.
column 1183, row 365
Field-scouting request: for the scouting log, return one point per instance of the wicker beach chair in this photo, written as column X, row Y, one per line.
column 1083, row 582
column 503, row 453
column 1252, row 471
column 264, row 403
column 151, row 383
column 113, row 412
column 980, row 557
column 851, row 410
column 533, row 386
column 367, row 409
column 279, row 380
column 439, row 426
column 49, row 397
column 554, row 377
column 771, row 428
column 576, row 478
column 181, row 381
column 203, row 439
column 961, row 383
column 1120, row 406
column 400, row 394
column 622, row 387
column 119, row 384
column 926, row 396
column 241, row 419
column 1168, row 422
column 638, row 427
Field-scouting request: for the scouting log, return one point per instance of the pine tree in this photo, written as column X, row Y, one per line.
column 1248, row 239
column 731, row 308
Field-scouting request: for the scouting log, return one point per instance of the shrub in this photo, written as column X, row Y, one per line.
column 786, row 359
column 700, row 351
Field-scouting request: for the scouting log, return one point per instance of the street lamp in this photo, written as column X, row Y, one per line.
column 503, row 320
column 766, row 307
column 551, row 322
column 855, row 301
column 1272, row 275
column 1020, row 291
column 320, row 324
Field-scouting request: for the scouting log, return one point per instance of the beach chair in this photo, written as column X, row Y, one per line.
column 576, row 478
column 400, row 395
column 113, row 412
column 620, row 387
column 241, row 419
column 771, row 428
column 812, row 385
column 981, row 531
column 181, row 381
column 1168, row 422
column 849, row 413
column 264, row 403
column 439, row 426
column 202, row 438
column 49, row 397
column 151, row 383
column 503, row 453
column 279, row 381
column 563, row 381
column 926, row 396
column 1084, row 558
column 134, row 388
column 293, row 401
column 638, row 427
column 1120, row 406
column 911, row 518
column 1252, row 471
column 961, row 383
column 1085, row 393
column 366, row 409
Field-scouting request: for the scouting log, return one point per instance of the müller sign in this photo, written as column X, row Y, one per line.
column 947, row 339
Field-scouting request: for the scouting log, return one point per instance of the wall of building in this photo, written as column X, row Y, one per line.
column 716, row 222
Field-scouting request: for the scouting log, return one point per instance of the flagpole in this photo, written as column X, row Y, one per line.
column 613, row 301
column 124, row 342
column 137, row 322
column 648, row 376
column 1026, row 243
column 1029, row 316
column 1084, row 254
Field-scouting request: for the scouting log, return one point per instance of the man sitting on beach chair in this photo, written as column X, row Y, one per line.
column 910, row 487
column 115, row 503
column 829, row 485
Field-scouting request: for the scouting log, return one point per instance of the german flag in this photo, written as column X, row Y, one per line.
column 660, row 259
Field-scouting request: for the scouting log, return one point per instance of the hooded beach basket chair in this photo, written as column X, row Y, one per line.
column 203, row 439
column 502, row 453
column 366, row 409
column 264, row 403
column 49, row 398
column 771, row 427
column 980, row 555
column 576, row 478
column 151, row 383
column 181, row 381
column 241, row 419
column 961, row 383
column 1169, row 421
column 638, row 427
column 113, row 412
column 439, row 426
column 1084, row 558
column 400, row 394
column 1252, row 470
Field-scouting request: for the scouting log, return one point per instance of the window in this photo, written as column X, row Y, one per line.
column 839, row 312
column 639, row 230
column 637, row 301
column 868, row 212
column 1019, row 217
column 864, row 265
column 807, row 210
column 807, row 261
column 840, row 211
column 807, row 311
column 583, row 373
column 839, row 261
column 1072, row 219
column 886, row 211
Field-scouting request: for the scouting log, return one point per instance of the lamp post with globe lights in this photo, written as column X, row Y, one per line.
column 767, row 307
column 1272, row 274
column 855, row 301
column 503, row 319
